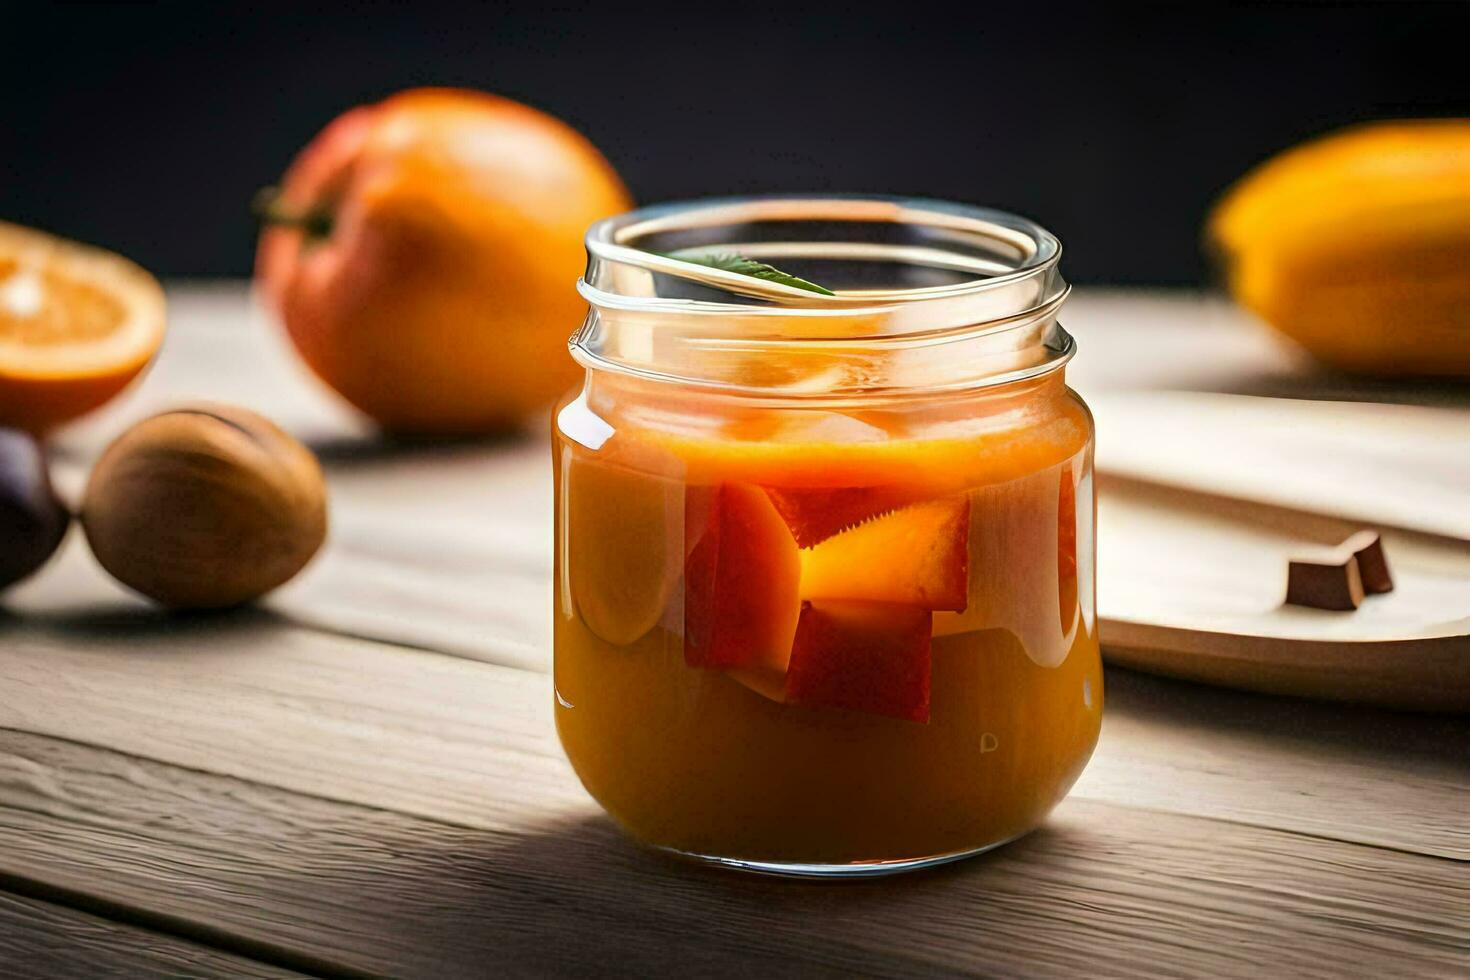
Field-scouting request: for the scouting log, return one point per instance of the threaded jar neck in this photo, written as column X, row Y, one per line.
column 926, row 296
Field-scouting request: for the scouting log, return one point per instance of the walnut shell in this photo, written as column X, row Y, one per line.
column 32, row 520
column 205, row 507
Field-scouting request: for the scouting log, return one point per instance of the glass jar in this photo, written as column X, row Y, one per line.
column 824, row 562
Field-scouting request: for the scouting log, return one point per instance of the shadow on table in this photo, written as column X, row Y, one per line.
column 112, row 623
column 576, row 893
column 1170, row 702
column 373, row 449
column 1324, row 385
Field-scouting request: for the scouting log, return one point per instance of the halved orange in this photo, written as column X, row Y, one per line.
column 76, row 325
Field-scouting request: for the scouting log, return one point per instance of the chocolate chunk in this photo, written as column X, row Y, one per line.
column 1339, row 578
column 1324, row 585
column 1367, row 548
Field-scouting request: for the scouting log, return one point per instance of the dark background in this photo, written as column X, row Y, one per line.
column 146, row 129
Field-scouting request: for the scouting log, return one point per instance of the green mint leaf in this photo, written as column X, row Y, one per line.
column 744, row 266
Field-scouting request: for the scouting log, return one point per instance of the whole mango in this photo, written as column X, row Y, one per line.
column 1357, row 246
column 423, row 255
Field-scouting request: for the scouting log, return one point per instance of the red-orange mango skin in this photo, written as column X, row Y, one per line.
column 441, row 300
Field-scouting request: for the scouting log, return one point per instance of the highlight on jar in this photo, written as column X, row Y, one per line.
column 825, row 547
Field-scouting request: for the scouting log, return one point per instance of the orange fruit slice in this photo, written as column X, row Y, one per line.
column 76, row 325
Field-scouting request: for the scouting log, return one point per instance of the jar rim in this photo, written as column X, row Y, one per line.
column 606, row 240
column 1000, row 319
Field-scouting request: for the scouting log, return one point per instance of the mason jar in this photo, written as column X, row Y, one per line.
column 824, row 534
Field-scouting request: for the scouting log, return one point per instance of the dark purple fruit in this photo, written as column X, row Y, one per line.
column 32, row 519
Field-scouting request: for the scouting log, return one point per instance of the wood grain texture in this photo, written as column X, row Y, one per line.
column 254, row 696
column 372, row 891
column 466, row 571
column 261, row 699
column 1348, row 773
column 41, row 941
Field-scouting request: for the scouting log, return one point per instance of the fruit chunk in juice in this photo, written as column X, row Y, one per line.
column 863, row 656
column 864, row 645
column 917, row 556
column 740, row 580
column 814, row 515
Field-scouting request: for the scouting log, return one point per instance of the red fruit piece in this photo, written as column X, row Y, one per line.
column 917, row 556
column 815, row 514
column 863, row 656
column 741, row 580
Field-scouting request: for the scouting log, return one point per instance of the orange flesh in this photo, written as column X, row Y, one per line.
column 64, row 311
column 729, row 763
column 816, row 515
column 76, row 326
column 917, row 556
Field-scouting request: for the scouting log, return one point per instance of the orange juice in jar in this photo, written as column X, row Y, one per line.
column 824, row 586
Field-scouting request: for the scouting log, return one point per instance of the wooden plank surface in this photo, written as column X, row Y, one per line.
column 372, row 891
column 246, row 694
column 452, row 741
column 41, row 939
column 315, row 784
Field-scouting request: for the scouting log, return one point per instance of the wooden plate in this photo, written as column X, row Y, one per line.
column 1191, row 583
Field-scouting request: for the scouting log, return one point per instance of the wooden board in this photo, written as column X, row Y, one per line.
column 1103, row 890
column 1204, row 498
column 42, row 939
column 1395, row 466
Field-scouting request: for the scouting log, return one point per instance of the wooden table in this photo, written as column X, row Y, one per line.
column 360, row 777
